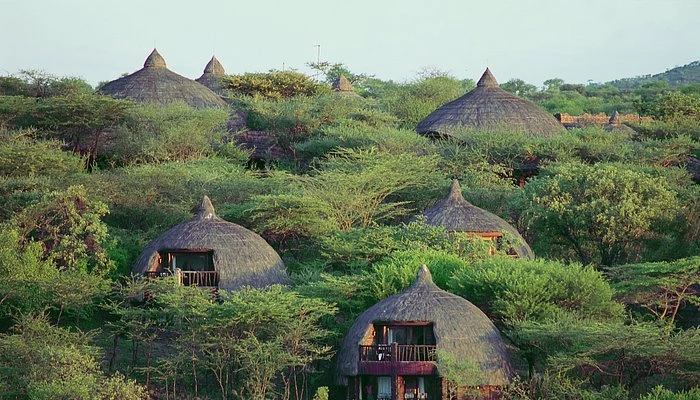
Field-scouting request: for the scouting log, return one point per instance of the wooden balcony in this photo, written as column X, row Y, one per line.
column 208, row 279
column 406, row 359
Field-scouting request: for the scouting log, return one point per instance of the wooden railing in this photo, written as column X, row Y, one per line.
column 398, row 352
column 199, row 278
column 190, row 278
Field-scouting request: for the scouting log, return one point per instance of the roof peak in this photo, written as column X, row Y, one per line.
column 214, row 67
column 206, row 210
column 456, row 191
column 154, row 60
column 342, row 84
column 423, row 275
column 614, row 118
column 487, row 80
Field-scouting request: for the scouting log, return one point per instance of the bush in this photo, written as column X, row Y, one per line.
column 273, row 85
column 519, row 289
column 177, row 132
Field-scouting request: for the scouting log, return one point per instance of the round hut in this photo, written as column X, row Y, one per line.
column 211, row 77
column 209, row 251
column 615, row 125
column 456, row 214
column 488, row 107
column 156, row 84
column 393, row 349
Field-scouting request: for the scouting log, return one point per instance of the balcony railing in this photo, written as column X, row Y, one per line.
column 398, row 352
column 190, row 278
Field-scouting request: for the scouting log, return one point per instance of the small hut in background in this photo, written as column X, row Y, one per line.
column 615, row 125
column 343, row 86
column 211, row 77
column 456, row 214
column 156, row 84
column 488, row 107
column 209, row 251
column 393, row 349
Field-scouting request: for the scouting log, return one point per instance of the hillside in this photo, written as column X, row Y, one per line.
column 684, row 75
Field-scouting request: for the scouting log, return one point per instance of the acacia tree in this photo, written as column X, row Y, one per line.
column 42, row 361
column 661, row 288
column 351, row 188
column 604, row 212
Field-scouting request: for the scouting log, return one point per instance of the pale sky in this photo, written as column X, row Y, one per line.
column 534, row 40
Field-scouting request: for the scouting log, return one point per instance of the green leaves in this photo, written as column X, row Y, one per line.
column 603, row 211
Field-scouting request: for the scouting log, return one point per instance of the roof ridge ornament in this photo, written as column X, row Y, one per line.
column 214, row 67
column 155, row 60
column 456, row 191
column 423, row 275
column 206, row 210
column 487, row 80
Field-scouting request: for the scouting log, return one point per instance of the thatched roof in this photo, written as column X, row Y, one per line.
column 211, row 77
column 488, row 107
column 343, row 86
column 615, row 124
column 155, row 83
column 242, row 257
column 456, row 214
column 460, row 328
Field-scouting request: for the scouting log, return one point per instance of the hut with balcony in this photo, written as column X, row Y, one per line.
column 212, row 75
column 211, row 252
column 156, row 84
column 393, row 350
column 458, row 216
column 487, row 108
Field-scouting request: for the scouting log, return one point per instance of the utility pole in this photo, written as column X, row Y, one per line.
column 318, row 54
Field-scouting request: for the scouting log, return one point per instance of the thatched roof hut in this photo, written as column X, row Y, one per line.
column 615, row 125
column 456, row 214
column 241, row 257
column 211, row 77
column 460, row 329
column 488, row 107
column 155, row 83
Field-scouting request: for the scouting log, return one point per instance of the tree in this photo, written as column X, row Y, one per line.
column 518, row 87
column 69, row 227
column 514, row 290
column 604, row 212
column 349, row 189
column 273, row 85
column 610, row 353
column 661, row 288
column 42, row 361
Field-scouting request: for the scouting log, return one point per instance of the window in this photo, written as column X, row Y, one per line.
column 413, row 333
column 187, row 260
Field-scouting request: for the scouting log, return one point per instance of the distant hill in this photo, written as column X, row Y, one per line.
column 685, row 75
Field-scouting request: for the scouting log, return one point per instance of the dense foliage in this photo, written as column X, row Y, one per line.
column 608, row 310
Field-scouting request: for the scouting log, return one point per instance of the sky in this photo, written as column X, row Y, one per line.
column 534, row 40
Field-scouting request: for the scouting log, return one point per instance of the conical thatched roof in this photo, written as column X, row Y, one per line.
column 242, row 257
column 615, row 125
column 342, row 84
column 155, row 83
column 460, row 328
column 488, row 107
column 456, row 214
column 211, row 77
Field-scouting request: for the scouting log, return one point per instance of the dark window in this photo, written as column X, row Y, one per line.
column 187, row 260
